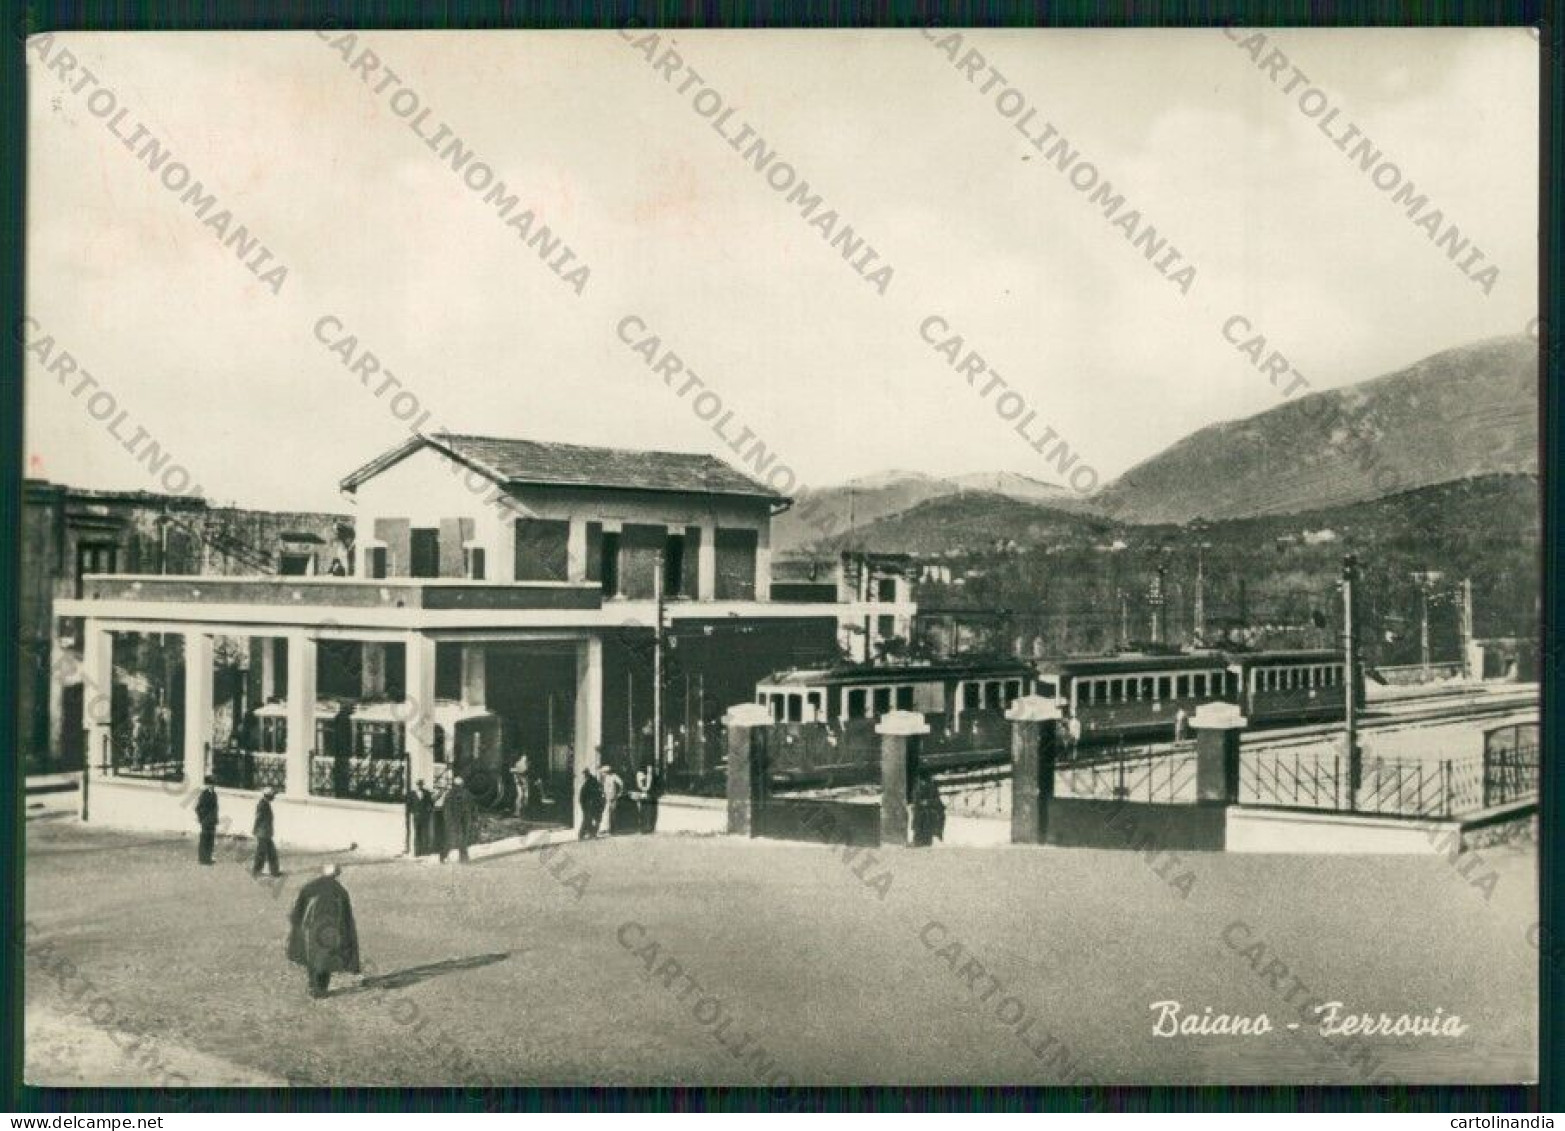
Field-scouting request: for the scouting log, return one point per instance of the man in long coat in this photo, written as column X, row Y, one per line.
column 590, row 798
column 459, row 821
column 421, row 819
column 927, row 813
column 264, row 830
column 206, row 817
column 323, row 937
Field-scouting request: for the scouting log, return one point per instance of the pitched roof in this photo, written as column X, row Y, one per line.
column 514, row 462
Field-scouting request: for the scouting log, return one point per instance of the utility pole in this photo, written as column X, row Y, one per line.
column 1426, row 580
column 657, row 670
column 1198, row 527
column 1350, row 567
column 1124, row 621
column 1467, row 627
column 1155, row 600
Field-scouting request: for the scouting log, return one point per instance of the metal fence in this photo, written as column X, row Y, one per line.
column 1307, row 778
column 1510, row 764
column 360, row 779
column 1161, row 775
column 235, row 767
column 134, row 753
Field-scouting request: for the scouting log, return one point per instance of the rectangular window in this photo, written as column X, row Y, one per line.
column 813, row 701
column 608, row 563
column 594, row 563
column 296, row 564
column 475, row 562
column 882, row 700
column 376, row 564
column 541, row 549
column 886, row 589
column 424, row 552
column 992, row 696
column 1163, row 691
column 885, row 627
column 905, row 698
column 736, row 553
column 795, row 708
column 779, row 704
column 639, row 547
column 1182, row 687
column 95, row 559
column 1013, row 691
column 857, row 700
column 674, row 566
column 1148, row 685
column 971, row 696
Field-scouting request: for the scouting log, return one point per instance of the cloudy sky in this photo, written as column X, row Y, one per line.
column 678, row 230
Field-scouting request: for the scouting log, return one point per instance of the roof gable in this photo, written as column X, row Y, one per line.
column 518, row 463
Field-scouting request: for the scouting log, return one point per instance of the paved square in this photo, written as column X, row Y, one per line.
column 538, row 968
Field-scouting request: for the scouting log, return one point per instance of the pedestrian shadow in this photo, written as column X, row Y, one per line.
column 413, row 975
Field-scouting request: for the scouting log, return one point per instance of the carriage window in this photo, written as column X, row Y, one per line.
column 905, row 698
column 992, row 695
column 970, row 697
column 1132, row 690
column 760, row 697
column 813, row 699
column 1148, row 687
column 1182, row 686
column 795, row 708
column 1162, row 687
column 882, row 700
column 779, row 705
column 856, row 702
column 1013, row 691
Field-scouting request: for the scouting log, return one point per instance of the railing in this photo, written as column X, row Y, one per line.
column 132, row 756
column 238, row 768
column 1510, row 771
column 1294, row 779
column 362, row 779
column 1166, row 776
column 1415, row 788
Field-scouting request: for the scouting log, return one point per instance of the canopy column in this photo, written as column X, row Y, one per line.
column 198, row 704
column 302, row 657
column 419, row 707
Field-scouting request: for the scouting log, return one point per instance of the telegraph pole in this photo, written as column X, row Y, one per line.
column 1350, row 566
column 1467, row 626
column 1426, row 579
column 657, row 669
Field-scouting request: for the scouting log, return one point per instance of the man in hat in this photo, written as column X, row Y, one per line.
column 421, row 819
column 206, row 817
column 590, row 798
column 263, row 831
column 322, row 936
column 459, row 821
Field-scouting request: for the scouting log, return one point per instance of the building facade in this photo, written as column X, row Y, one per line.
column 69, row 534
column 504, row 599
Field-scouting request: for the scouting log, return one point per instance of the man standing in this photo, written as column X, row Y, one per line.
column 322, row 936
column 263, row 829
column 206, row 817
column 421, row 819
column 647, row 791
column 459, row 821
column 521, row 775
column 1073, row 733
column 1181, row 724
column 926, row 813
column 613, row 790
column 590, row 798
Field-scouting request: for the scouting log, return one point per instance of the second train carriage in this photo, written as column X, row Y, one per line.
column 840, row 695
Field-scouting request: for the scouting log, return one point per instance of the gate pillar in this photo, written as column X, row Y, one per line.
column 748, row 725
column 1035, row 742
column 901, row 736
column 1218, row 727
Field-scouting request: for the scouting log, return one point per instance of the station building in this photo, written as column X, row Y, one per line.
column 500, row 599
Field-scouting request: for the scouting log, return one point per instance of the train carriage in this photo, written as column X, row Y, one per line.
column 841, row 695
column 1302, row 685
column 1135, row 696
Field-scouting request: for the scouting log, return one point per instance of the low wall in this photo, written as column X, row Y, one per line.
column 1075, row 822
column 1299, row 830
column 701, row 816
column 318, row 823
column 976, row 832
column 820, row 820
